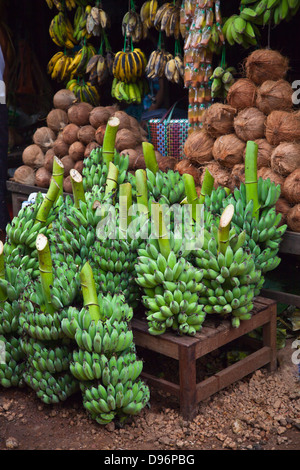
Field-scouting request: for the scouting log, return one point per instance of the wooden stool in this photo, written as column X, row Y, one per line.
column 186, row 350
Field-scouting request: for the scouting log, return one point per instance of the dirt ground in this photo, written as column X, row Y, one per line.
column 260, row 412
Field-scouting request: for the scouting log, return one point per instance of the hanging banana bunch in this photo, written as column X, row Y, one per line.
column 97, row 20
column 132, row 26
column 58, row 67
column 157, row 62
column 100, row 65
column 84, row 91
column 70, row 4
column 167, row 19
column 81, row 59
column 174, row 69
column 129, row 65
column 147, row 14
column 61, row 31
column 80, row 22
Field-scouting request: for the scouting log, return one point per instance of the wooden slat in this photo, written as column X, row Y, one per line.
column 290, row 243
column 282, row 297
column 170, row 387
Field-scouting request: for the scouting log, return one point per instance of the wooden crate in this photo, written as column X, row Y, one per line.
column 214, row 334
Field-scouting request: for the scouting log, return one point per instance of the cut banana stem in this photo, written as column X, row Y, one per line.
column 251, row 176
column 160, row 229
column 112, row 178
column 77, row 187
column 46, row 269
column 150, row 157
column 224, row 228
column 3, row 296
column 207, row 186
column 142, row 190
column 58, row 174
column 89, row 292
column 108, row 149
column 125, row 202
column 48, row 202
column 191, row 193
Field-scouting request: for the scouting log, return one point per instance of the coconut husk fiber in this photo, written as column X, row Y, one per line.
column 249, row 124
column 266, row 172
column 198, row 147
column 282, row 126
column 274, row 95
column 228, row 150
column 221, row 175
column 264, row 152
column 218, row 119
column 283, row 207
column 242, row 94
column 291, row 187
column 185, row 166
column 238, row 174
column 285, row 158
column 293, row 218
column 265, row 64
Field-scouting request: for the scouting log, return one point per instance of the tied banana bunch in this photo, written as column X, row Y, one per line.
column 157, row 62
column 84, row 91
column 80, row 22
column 58, row 67
column 69, row 4
column 174, row 69
column 240, row 29
column 129, row 65
column 167, row 19
column 81, row 59
column 129, row 92
column 264, row 11
column 97, row 20
column 98, row 70
column 222, row 80
column 132, row 26
column 61, row 31
column 147, row 13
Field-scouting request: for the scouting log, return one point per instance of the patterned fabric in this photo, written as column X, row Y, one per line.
column 168, row 138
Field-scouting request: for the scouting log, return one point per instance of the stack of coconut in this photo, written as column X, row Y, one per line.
column 71, row 131
column 259, row 108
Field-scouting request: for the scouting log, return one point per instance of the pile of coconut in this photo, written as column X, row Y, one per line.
column 71, row 131
column 259, row 107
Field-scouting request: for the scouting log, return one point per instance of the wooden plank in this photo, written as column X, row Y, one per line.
column 290, row 243
column 244, row 367
column 269, row 338
column 282, row 297
column 206, row 388
column 162, row 384
column 187, row 378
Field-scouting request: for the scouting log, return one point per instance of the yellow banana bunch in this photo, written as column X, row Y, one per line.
column 157, row 62
column 174, row 69
column 167, row 19
column 130, row 92
column 58, row 67
column 129, row 65
column 70, row 4
column 61, row 31
column 84, row 91
column 132, row 26
column 81, row 59
column 80, row 22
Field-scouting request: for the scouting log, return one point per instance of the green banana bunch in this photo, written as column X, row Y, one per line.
column 11, row 371
column 222, row 80
column 261, row 12
column 165, row 187
column 240, row 29
column 229, row 279
column 171, row 289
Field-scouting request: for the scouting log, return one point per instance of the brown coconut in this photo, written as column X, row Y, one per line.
column 67, row 184
column 76, row 151
column 238, row 174
column 218, row 119
column 24, row 174
column 185, row 166
column 282, row 126
column 167, row 163
column 293, row 218
column 86, row 134
column 100, row 133
column 228, row 150
column 132, row 156
column 68, row 164
column 283, row 207
column 69, row 133
column 221, row 175
column 242, row 94
column 60, row 147
column 42, row 177
column 89, row 148
column 125, row 139
column 48, row 163
column 249, row 124
column 79, row 166
column 265, row 64
column 57, row 120
column 264, row 151
column 266, row 172
column 198, row 147
column 63, row 99
column 99, row 116
column 124, row 119
column 285, row 158
column 291, row 187
column 33, row 156
column 273, row 95
column 79, row 113
column 44, row 137
column 140, row 163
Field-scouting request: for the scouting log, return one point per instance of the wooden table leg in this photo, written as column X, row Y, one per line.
column 187, row 377
column 269, row 337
